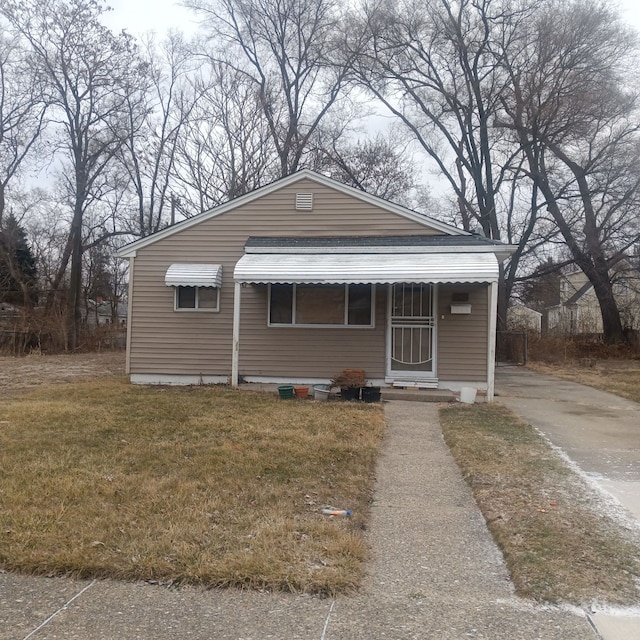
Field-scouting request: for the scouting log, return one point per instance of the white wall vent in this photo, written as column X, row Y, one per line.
column 460, row 308
column 304, row 201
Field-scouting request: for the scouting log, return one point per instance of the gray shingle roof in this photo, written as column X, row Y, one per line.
column 371, row 241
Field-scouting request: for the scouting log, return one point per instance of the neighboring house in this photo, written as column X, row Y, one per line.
column 521, row 318
column 305, row 277
column 579, row 310
column 7, row 308
column 100, row 312
column 9, row 314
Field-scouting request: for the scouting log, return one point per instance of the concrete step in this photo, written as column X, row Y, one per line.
column 418, row 395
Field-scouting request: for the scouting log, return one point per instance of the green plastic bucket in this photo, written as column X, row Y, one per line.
column 285, row 392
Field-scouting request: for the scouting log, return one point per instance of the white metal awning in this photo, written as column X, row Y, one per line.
column 194, row 275
column 379, row 268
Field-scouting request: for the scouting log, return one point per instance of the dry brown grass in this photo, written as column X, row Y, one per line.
column 554, row 348
column 30, row 372
column 193, row 485
column 557, row 546
column 621, row 377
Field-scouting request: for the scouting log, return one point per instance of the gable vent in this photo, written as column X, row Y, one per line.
column 304, row 201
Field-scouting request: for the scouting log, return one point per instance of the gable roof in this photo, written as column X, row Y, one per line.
column 578, row 294
column 524, row 308
column 370, row 244
column 305, row 174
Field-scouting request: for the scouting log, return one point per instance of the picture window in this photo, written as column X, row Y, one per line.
column 342, row 305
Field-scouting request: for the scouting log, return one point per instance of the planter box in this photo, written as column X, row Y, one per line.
column 350, row 393
column 371, row 394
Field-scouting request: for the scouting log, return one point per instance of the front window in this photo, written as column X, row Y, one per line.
column 321, row 305
column 197, row 298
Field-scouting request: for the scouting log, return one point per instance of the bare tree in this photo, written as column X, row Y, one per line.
column 91, row 75
column 286, row 48
column 46, row 228
column 380, row 165
column 576, row 119
column 225, row 149
column 150, row 152
column 105, row 282
column 436, row 66
column 22, row 107
column 22, row 110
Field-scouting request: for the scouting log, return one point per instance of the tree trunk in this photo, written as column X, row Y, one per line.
column 74, row 317
column 611, row 323
column 2, row 202
column 593, row 264
column 504, row 293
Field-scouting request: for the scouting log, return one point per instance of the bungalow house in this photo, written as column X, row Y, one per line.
column 305, row 277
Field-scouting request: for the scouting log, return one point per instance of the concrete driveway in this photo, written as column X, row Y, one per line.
column 598, row 431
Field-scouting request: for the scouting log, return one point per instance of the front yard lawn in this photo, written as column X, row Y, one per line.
column 201, row 485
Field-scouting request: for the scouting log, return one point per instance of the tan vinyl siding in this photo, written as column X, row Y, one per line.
column 164, row 341
column 462, row 339
column 304, row 351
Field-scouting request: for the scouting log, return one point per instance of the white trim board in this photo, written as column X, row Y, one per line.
column 177, row 379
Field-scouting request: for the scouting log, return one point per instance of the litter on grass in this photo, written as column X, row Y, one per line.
column 330, row 511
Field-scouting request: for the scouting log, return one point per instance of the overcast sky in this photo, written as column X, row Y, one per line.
column 631, row 11
column 139, row 16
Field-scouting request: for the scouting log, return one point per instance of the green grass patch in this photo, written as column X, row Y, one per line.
column 557, row 546
column 201, row 485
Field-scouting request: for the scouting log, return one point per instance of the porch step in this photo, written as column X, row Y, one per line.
column 407, row 384
column 415, row 394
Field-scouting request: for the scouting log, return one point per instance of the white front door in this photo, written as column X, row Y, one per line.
column 411, row 333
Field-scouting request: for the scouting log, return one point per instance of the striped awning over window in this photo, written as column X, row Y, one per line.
column 366, row 268
column 194, row 275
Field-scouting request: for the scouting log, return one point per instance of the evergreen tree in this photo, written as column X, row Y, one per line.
column 17, row 265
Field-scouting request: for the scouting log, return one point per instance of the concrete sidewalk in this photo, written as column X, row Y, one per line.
column 436, row 574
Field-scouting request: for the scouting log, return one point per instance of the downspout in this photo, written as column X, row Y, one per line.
column 491, row 348
column 235, row 349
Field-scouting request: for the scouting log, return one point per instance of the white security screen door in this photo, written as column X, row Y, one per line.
column 411, row 331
